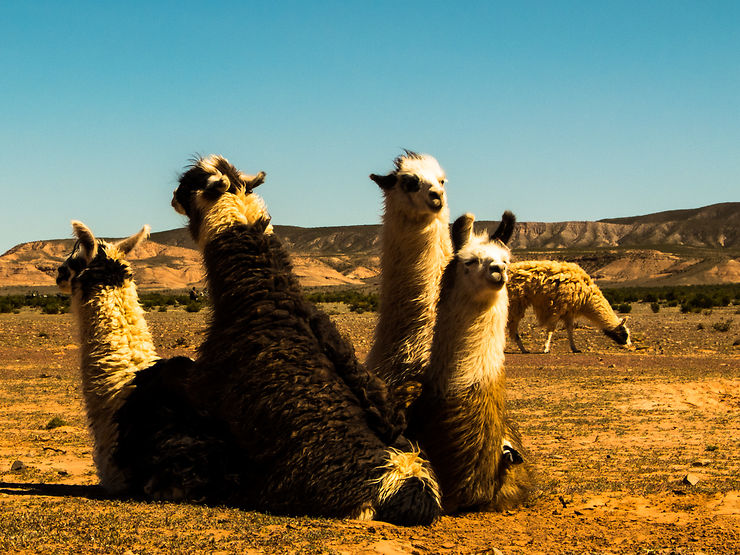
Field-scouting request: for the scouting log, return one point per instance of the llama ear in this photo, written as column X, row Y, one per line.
column 505, row 229
column 462, row 229
column 623, row 321
column 256, row 181
column 128, row 244
column 385, row 182
column 88, row 244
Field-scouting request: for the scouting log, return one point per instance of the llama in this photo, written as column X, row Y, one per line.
column 416, row 247
column 147, row 442
column 460, row 418
column 560, row 291
column 319, row 430
column 115, row 342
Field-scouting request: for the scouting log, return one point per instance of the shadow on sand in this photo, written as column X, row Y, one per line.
column 53, row 490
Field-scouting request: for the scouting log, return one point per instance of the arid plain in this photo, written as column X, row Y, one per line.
column 634, row 451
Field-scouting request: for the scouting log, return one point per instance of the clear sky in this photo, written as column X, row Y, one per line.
column 556, row 110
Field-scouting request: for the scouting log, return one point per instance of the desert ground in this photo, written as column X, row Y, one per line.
column 634, row 451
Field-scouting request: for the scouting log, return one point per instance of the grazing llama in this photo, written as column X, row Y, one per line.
column 460, row 418
column 416, row 247
column 147, row 441
column 560, row 291
column 319, row 428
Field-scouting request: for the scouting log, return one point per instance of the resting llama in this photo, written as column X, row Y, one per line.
column 147, row 441
column 460, row 418
column 415, row 242
column 560, row 291
column 318, row 428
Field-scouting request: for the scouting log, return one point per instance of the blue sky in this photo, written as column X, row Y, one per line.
column 556, row 110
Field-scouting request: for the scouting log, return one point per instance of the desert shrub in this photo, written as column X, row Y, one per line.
column 655, row 307
column 624, row 308
column 357, row 301
column 55, row 422
column 650, row 298
column 193, row 306
column 163, row 308
column 722, row 325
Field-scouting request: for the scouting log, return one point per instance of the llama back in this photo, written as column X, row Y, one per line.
column 552, row 288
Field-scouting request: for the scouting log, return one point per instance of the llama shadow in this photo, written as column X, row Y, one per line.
column 53, row 490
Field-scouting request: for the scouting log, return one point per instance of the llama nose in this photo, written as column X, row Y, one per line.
column 497, row 272
column 435, row 199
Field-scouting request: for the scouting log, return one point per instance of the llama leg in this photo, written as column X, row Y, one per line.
column 514, row 473
column 548, row 340
column 513, row 329
column 569, row 328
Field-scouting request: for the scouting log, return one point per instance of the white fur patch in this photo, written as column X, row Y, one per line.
column 400, row 466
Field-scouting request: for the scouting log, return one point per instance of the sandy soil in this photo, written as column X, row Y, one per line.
column 616, row 437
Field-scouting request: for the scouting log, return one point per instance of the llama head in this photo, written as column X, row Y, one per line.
column 480, row 261
column 416, row 187
column 207, row 181
column 94, row 262
column 620, row 333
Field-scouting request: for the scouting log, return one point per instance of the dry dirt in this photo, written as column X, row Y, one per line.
column 612, row 435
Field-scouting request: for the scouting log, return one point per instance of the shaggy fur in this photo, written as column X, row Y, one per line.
column 460, row 418
column 560, row 291
column 147, row 441
column 415, row 250
column 115, row 342
column 317, row 426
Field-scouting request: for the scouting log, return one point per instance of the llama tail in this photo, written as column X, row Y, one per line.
column 408, row 493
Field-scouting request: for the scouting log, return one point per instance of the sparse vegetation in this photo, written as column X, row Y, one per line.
column 56, row 422
column 655, row 307
column 692, row 298
column 356, row 300
column 624, row 308
column 722, row 325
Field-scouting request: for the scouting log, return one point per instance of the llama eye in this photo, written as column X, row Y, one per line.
column 471, row 262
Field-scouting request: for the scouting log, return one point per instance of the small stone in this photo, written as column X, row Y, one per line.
column 17, row 466
column 691, row 479
column 702, row 462
column 448, row 545
column 62, row 472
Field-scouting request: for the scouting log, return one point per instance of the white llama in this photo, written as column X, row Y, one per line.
column 115, row 342
column 415, row 243
column 460, row 418
column 560, row 291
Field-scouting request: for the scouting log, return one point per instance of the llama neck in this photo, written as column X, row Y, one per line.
column 414, row 255
column 115, row 343
column 469, row 341
column 598, row 310
column 230, row 210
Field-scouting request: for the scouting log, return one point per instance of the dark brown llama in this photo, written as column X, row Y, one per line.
column 320, row 431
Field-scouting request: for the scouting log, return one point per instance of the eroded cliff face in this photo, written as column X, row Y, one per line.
column 677, row 247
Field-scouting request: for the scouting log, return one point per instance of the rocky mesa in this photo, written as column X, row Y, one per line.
column 678, row 247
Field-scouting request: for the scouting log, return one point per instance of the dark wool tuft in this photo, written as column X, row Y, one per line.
column 102, row 271
column 276, row 371
column 169, row 450
column 410, row 505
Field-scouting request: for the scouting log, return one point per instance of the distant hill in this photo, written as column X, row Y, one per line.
column 700, row 245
